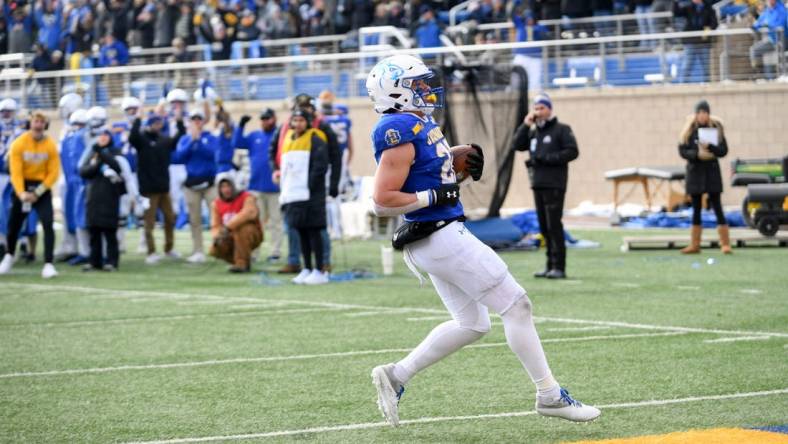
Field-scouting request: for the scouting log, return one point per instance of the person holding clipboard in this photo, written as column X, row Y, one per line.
column 702, row 143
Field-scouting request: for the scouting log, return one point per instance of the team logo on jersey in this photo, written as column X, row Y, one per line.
column 547, row 139
column 392, row 137
column 417, row 128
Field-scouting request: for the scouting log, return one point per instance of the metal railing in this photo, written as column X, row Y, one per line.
column 277, row 77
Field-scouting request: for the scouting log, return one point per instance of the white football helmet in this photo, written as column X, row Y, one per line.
column 130, row 102
column 97, row 116
column 399, row 83
column 78, row 117
column 177, row 95
column 69, row 103
column 8, row 110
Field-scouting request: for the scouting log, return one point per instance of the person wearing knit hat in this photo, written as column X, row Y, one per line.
column 552, row 146
column 701, row 143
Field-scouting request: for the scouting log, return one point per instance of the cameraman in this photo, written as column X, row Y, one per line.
column 552, row 146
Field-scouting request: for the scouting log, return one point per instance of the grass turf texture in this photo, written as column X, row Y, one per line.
column 137, row 317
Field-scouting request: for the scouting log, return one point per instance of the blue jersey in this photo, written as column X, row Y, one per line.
column 120, row 138
column 432, row 165
column 9, row 131
column 340, row 125
column 71, row 150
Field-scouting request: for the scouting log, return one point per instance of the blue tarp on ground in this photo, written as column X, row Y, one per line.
column 682, row 219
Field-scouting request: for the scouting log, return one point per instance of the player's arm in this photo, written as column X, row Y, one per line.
column 390, row 176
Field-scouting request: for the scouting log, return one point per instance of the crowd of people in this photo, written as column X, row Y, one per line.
column 167, row 166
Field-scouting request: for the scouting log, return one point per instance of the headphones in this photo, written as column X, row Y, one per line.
column 30, row 118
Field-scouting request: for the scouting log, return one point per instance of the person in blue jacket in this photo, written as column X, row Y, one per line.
column 261, row 184
column 199, row 151
column 773, row 17
column 113, row 52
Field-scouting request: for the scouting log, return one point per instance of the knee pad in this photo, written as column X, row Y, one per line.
column 521, row 309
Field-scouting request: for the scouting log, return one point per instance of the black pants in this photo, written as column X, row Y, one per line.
column 43, row 207
column 110, row 237
column 311, row 242
column 550, row 209
column 714, row 203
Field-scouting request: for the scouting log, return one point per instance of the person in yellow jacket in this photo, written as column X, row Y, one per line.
column 34, row 165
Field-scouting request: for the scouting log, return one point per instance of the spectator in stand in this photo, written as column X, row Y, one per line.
column 666, row 6
column 247, row 28
column 143, row 23
column 80, row 37
column 645, row 24
column 738, row 8
column 215, row 32
column 48, row 16
column 428, row 32
column 166, row 16
column 118, row 16
column 184, row 25
column 362, row 12
column 773, row 18
column 44, row 61
column 3, row 34
column 113, row 52
column 527, row 30
column 700, row 17
column 20, row 35
column 179, row 52
column 603, row 8
column 235, row 226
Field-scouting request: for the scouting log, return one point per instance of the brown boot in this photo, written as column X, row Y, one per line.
column 694, row 245
column 290, row 269
column 725, row 239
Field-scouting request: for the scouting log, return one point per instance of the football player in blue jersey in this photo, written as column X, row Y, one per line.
column 120, row 138
column 415, row 177
column 10, row 129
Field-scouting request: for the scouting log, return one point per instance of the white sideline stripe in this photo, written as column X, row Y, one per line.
column 167, row 318
column 664, row 327
column 688, row 287
column 362, row 314
column 80, row 371
column 537, row 319
column 740, row 338
column 593, row 327
column 625, row 284
column 750, row 291
column 373, row 425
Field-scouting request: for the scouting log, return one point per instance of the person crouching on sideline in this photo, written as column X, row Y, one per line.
column 235, row 226
column 303, row 197
column 107, row 174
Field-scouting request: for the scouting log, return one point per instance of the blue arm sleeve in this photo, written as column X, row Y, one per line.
column 239, row 141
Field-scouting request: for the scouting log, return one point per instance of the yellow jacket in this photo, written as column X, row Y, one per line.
column 33, row 160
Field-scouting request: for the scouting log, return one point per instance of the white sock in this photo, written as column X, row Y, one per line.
column 442, row 341
column 523, row 340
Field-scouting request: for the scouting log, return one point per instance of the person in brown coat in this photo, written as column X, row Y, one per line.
column 703, row 173
column 235, row 226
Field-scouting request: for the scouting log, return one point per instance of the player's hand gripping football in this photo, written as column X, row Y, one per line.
column 475, row 162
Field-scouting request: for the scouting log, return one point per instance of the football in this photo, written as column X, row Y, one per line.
column 459, row 156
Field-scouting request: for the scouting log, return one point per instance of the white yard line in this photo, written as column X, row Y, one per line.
column 388, row 310
column 736, row 339
column 750, row 291
column 439, row 419
column 625, row 284
column 167, row 318
column 82, row 371
column 591, row 328
column 688, row 287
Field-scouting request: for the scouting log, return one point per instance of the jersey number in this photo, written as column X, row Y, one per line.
column 447, row 171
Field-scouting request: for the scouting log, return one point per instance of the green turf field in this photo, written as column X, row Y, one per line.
column 660, row 342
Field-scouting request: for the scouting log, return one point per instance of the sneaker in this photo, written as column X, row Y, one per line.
column 317, row 277
column 390, row 391
column 48, row 272
column 239, row 269
column 555, row 274
column 541, row 274
column 6, row 264
column 566, row 407
column 305, row 273
column 172, row 254
column 289, row 269
column 109, row 267
column 152, row 259
column 78, row 260
column 87, row 268
column 196, row 258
